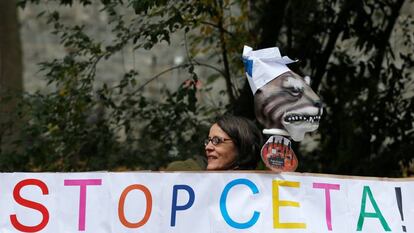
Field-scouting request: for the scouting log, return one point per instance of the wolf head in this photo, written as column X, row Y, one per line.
column 288, row 102
column 283, row 99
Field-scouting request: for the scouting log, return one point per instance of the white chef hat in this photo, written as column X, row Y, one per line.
column 264, row 65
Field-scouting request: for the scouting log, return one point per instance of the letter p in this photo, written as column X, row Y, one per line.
column 175, row 207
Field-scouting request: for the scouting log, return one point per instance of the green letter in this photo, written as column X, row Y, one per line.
column 377, row 214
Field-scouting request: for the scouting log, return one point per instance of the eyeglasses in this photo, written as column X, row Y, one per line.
column 215, row 140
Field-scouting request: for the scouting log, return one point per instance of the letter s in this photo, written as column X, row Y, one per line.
column 30, row 204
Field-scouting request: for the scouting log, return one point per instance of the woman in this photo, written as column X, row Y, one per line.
column 233, row 144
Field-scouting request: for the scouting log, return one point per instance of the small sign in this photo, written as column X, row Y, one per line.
column 278, row 156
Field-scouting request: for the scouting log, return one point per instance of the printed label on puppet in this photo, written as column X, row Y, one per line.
column 277, row 154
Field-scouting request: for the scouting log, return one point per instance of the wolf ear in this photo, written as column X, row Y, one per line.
column 307, row 80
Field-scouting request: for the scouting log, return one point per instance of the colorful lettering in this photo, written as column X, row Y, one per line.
column 377, row 214
column 328, row 188
column 121, row 204
column 83, row 183
column 223, row 207
column 279, row 203
column 174, row 207
column 30, row 204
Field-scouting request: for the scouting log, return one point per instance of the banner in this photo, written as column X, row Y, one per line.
column 203, row 202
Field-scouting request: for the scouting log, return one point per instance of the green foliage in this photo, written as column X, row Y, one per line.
column 367, row 129
column 81, row 127
column 359, row 54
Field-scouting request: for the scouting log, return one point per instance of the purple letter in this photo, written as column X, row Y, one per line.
column 82, row 197
column 327, row 188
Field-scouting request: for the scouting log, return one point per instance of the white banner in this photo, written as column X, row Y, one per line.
column 203, row 202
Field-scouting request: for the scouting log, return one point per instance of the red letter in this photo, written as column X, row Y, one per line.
column 82, row 197
column 30, row 204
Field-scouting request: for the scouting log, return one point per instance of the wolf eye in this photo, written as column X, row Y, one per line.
column 295, row 91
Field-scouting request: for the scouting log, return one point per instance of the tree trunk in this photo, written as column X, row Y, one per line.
column 271, row 18
column 340, row 24
column 10, row 71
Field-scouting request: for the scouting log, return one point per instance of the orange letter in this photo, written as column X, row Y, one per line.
column 278, row 203
column 121, row 204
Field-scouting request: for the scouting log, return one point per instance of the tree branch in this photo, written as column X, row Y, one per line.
column 271, row 21
column 333, row 37
column 381, row 44
column 216, row 26
column 227, row 77
column 383, row 41
column 140, row 88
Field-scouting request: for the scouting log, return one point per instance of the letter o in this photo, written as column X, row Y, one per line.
column 121, row 204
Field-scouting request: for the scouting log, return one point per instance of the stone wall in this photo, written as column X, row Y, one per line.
column 39, row 45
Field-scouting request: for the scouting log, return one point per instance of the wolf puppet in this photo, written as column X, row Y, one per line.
column 284, row 104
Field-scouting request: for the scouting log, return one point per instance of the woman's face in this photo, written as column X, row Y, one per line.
column 223, row 155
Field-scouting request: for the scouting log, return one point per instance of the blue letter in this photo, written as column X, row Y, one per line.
column 223, row 208
column 174, row 206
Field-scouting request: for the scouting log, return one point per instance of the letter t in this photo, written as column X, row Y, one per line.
column 82, row 197
column 327, row 188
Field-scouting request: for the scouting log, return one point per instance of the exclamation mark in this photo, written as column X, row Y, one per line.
column 399, row 203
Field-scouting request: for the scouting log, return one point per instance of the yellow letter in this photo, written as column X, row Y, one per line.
column 279, row 203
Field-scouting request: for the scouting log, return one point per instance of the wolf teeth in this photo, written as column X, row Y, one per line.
column 310, row 119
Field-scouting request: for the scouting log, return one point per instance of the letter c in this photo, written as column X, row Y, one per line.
column 223, row 207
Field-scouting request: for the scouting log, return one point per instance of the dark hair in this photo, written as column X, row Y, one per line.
column 246, row 137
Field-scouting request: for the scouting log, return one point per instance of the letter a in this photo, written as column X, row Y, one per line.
column 376, row 214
